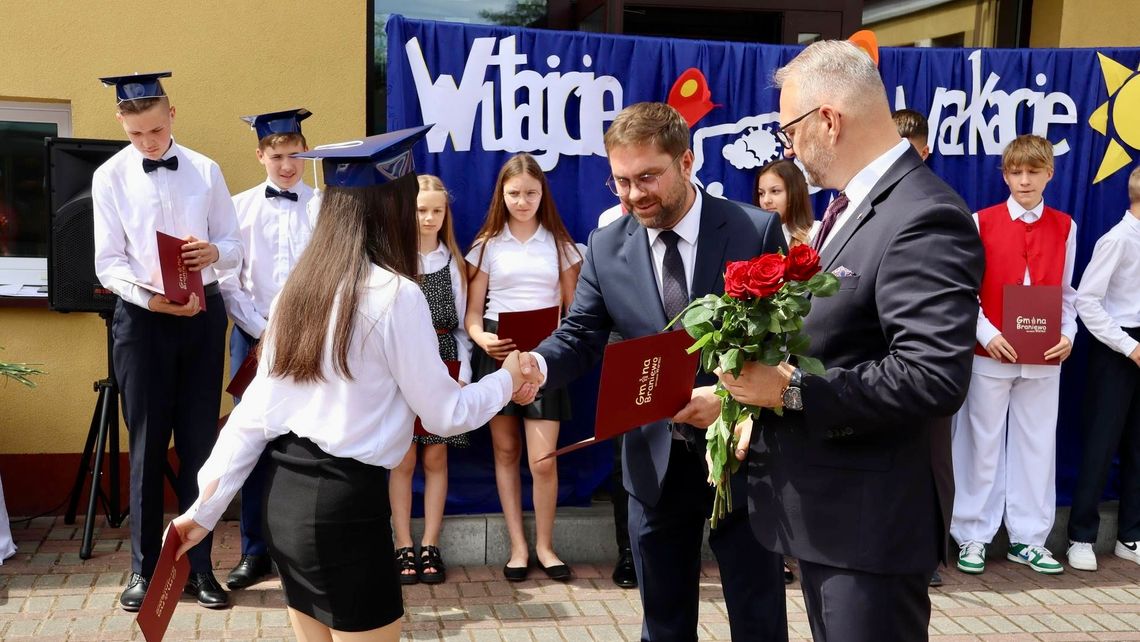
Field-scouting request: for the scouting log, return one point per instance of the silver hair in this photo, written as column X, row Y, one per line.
column 833, row 71
column 1134, row 186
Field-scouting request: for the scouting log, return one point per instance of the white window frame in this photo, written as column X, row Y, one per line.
column 32, row 270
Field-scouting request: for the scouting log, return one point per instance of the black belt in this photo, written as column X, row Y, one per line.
column 211, row 289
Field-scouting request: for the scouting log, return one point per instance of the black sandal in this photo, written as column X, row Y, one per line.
column 406, row 561
column 431, row 558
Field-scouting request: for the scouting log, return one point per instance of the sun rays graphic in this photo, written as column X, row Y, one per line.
column 1122, row 112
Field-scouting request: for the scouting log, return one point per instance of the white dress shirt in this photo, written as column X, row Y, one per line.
column 433, row 261
column 810, row 236
column 986, row 330
column 610, row 215
column 1108, row 298
column 861, row 184
column 522, row 275
column 397, row 375
column 130, row 205
column 274, row 233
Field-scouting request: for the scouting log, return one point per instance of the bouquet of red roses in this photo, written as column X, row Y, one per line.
column 759, row 317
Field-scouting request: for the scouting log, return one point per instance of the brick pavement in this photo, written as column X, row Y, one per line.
column 48, row 593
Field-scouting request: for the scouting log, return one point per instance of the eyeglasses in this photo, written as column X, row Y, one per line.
column 784, row 135
column 530, row 196
column 645, row 183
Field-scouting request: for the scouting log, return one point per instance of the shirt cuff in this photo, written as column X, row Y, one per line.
column 541, row 365
column 506, row 384
column 986, row 334
column 1128, row 345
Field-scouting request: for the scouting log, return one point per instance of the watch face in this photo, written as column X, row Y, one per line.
column 792, row 399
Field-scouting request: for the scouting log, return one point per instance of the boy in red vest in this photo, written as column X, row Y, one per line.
column 1004, row 437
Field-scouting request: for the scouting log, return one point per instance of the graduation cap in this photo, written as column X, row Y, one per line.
column 374, row 160
column 278, row 122
column 137, row 86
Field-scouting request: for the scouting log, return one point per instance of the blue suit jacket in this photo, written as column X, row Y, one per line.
column 618, row 291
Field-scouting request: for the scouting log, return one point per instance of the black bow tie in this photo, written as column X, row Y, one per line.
column 272, row 193
column 151, row 165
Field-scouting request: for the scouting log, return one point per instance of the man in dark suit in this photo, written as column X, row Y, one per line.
column 855, row 479
column 638, row 273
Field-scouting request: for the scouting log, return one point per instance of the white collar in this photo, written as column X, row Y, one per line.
column 861, row 184
column 439, row 249
column 539, row 235
column 1133, row 222
column 689, row 227
column 1016, row 211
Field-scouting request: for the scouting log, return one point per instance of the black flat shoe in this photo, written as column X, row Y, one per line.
column 205, row 587
column 515, row 573
column 936, row 579
column 558, row 572
column 625, row 575
column 406, row 561
column 430, row 558
column 789, row 576
column 249, row 571
column 132, row 598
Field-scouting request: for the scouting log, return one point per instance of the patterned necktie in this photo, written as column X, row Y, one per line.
column 273, row 193
column 834, row 210
column 674, row 288
column 151, row 165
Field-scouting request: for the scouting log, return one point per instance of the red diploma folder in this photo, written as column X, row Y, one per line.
column 643, row 380
column 178, row 281
column 1031, row 321
column 244, row 376
column 528, row 329
column 453, row 370
column 165, row 588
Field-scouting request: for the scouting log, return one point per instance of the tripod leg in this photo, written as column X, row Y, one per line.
column 81, row 474
column 97, row 474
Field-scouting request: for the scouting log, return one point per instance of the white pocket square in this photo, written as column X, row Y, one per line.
column 841, row 272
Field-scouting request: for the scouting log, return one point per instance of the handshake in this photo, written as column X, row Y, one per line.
column 526, row 379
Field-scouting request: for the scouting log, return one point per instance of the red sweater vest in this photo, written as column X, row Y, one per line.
column 1011, row 247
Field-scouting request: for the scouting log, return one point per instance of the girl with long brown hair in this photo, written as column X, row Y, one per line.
column 781, row 188
column 522, row 259
column 350, row 359
column 443, row 279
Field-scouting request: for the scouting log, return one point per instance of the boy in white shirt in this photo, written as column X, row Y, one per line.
column 1108, row 301
column 276, row 225
column 168, row 358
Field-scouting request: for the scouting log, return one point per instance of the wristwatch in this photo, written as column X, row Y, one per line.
column 793, row 397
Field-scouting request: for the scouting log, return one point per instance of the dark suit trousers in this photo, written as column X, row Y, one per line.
column 253, row 490
column 853, row 606
column 169, row 371
column 666, row 541
column 1111, row 425
column 621, row 500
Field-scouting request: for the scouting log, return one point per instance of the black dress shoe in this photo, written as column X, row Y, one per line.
column 936, row 579
column 132, row 597
column 558, row 572
column 625, row 575
column 249, row 571
column 206, row 588
column 515, row 573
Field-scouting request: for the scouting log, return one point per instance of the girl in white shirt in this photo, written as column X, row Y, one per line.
column 522, row 259
column 349, row 359
column 782, row 188
column 443, row 279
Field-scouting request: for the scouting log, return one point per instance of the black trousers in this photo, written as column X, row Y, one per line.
column 169, row 371
column 853, row 606
column 1111, row 426
column 666, row 541
column 621, row 500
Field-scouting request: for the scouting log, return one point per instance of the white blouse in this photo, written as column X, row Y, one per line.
column 433, row 261
column 397, row 375
column 811, row 233
column 522, row 275
column 274, row 233
column 1108, row 298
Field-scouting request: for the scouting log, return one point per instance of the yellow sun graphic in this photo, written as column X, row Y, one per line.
column 1122, row 109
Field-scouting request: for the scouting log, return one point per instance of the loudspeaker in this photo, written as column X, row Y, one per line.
column 72, row 284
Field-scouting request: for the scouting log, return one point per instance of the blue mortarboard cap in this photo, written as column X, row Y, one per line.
column 278, row 122
column 137, row 86
column 370, row 161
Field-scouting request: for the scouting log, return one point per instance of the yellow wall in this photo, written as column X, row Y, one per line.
column 229, row 59
column 1045, row 23
column 973, row 18
column 1097, row 23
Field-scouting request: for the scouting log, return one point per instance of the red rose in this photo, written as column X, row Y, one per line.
column 801, row 264
column 765, row 275
column 736, row 279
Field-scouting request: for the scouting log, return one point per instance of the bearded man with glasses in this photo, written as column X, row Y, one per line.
column 638, row 273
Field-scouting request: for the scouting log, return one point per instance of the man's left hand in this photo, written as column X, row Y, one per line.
column 1061, row 351
column 758, row 384
column 702, row 410
column 196, row 254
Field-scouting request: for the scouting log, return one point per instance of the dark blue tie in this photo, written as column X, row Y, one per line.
column 272, row 193
column 674, row 285
column 151, row 165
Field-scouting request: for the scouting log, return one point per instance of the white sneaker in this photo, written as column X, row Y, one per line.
column 1128, row 550
column 972, row 557
column 1081, row 556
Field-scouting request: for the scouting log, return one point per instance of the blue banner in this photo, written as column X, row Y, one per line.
column 492, row 92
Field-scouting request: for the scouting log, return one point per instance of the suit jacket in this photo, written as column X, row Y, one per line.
column 861, row 478
column 617, row 290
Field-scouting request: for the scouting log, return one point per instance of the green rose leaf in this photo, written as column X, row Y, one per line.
column 811, row 365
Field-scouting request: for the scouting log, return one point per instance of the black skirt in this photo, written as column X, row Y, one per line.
column 329, row 531
column 553, row 405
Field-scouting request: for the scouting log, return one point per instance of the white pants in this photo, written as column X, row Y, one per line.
column 1004, row 446
column 7, row 546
